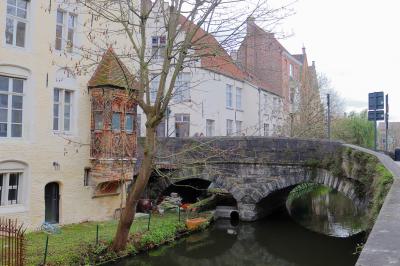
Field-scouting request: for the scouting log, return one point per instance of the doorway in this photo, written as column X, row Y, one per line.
column 52, row 203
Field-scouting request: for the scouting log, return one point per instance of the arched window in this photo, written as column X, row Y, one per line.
column 12, row 183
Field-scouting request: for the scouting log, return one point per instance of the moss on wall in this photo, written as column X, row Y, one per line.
column 373, row 179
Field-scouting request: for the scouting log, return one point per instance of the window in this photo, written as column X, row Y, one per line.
column 182, row 88
column 291, row 70
column 239, row 128
column 116, row 121
column 158, row 46
column 139, row 125
column 292, row 95
column 10, row 188
column 65, row 30
column 210, row 128
column 229, row 96
column 86, row 176
column 16, row 22
column 129, row 123
column 265, row 102
column 239, row 98
column 160, row 131
column 266, row 130
column 182, row 125
column 98, row 120
column 11, row 106
column 62, row 110
column 154, row 84
column 229, row 127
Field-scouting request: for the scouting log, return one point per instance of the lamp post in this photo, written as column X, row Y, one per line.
column 328, row 101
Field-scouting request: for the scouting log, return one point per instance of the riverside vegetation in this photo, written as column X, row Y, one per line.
column 76, row 243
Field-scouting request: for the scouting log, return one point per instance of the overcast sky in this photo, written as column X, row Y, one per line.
column 356, row 43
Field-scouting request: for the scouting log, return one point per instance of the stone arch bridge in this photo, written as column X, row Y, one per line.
column 255, row 169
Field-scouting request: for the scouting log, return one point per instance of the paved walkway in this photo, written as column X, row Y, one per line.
column 383, row 244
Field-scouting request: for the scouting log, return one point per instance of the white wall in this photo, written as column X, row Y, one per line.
column 208, row 101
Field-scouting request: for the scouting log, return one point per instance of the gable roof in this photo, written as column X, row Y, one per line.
column 112, row 72
column 299, row 57
column 212, row 55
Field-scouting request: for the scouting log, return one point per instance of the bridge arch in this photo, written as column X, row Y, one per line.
column 275, row 192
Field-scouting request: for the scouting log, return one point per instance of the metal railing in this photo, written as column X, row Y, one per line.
column 12, row 243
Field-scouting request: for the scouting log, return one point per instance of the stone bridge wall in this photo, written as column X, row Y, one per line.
column 251, row 168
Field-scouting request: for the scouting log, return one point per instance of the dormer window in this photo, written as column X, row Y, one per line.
column 16, row 22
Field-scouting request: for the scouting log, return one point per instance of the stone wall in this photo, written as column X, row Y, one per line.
column 252, row 168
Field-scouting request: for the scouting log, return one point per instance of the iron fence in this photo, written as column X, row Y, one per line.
column 12, row 243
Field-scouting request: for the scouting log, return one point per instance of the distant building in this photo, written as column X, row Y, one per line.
column 283, row 73
column 393, row 136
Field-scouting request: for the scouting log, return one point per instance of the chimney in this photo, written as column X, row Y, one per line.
column 313, row 64
column 251, row 20
column 234, row 55
column 304, row 50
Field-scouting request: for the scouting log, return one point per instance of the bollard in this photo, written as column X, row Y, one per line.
column 97, row 234
column 45, row 250
column 148, row 223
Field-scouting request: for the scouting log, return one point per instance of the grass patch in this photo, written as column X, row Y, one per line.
column 76, row 243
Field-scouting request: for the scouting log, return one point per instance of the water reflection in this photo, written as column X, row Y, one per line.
column 276, row 240
column 326, row 211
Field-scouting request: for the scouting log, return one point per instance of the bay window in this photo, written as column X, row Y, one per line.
column 129, row 123
column 98, row 120
column 62, row 110
column 16, row 22
column 11, row 106
column 116, row 121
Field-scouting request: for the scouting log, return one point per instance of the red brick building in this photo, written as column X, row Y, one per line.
column 113, row 125
column 286, row 75
column 262, row 55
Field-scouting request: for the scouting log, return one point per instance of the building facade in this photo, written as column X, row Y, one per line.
column 68, row 140
column 45, row 120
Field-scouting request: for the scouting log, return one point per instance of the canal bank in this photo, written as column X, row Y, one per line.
column 276, row 240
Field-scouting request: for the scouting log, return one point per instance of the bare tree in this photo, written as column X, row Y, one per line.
column 185, row 31
column 336, row 101
column 309, row 117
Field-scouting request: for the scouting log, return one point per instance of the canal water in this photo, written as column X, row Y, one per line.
column 315, row 229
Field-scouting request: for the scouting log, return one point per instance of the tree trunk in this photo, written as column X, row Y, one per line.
column 136, row 191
